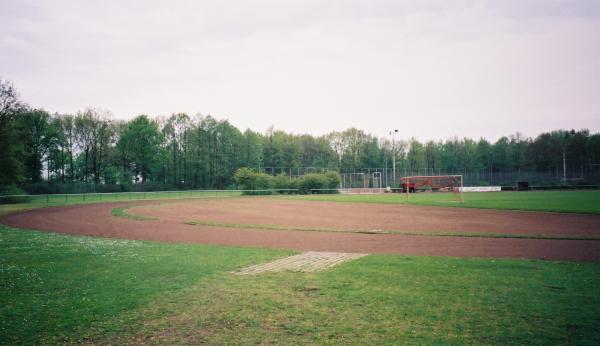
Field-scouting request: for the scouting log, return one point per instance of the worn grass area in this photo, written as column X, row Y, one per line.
column 122, row 212
column 65, row 289
column 62, row 289
column 379, row 231
column 554, row 201
column 386, row 300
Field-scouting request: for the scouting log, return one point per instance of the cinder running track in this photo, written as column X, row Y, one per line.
column 341, row 218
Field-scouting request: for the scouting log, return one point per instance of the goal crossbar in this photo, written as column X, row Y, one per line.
column 431, row 176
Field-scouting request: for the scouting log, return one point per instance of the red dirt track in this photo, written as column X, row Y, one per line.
column 96, row 220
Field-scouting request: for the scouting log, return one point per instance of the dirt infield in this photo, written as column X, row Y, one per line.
column 356, row 216
column 96, row 220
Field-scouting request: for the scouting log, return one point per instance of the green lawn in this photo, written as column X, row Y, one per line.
column 57, row 288
column 560, row 201
column 66, row 289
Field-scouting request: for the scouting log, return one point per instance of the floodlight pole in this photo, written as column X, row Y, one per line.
column 564, row 166
column 393, row 133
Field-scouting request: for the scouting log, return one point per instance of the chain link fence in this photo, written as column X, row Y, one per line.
column 75, row 198
column 384, row 177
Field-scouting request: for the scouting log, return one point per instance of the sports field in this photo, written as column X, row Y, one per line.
column 586, row 201
column 434, row 274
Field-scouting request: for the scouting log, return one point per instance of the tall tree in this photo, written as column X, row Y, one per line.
column 11, row 166
column 252, row 150
column 140, row 144
column 37, row 138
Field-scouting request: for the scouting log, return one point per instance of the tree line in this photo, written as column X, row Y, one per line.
column 40, row 151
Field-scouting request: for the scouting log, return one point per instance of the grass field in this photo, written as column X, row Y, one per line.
column 67, row 289
column 559, row 201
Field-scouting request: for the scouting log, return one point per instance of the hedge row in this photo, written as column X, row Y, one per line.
column 249, row 179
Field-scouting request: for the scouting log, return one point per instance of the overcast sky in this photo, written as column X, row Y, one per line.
column 432, row 69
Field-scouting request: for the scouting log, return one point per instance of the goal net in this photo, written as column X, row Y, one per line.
column 434, row 183
column 361, row 183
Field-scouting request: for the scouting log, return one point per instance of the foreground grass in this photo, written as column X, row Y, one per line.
column 387, row 300
column 554, row 201
column 65, row 289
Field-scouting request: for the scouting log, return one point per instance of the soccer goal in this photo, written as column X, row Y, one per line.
column 434, row 183
column 355, row 181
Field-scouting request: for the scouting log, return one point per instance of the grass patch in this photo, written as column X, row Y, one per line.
column 370, row 231
column 386, row 300
column 66, row 289
column 585, row 202
column 263, row 227
column 63, row 289
column 121, row 212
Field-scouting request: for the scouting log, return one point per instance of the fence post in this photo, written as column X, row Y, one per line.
column 47, row 198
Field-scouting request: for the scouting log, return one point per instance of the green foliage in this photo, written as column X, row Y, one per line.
column 37, row 136
column 282, row 181
column 333, row 179
column 140, row 145
column 311, row 183
column 248, row 179
column 184, row 152
column 17, row 195
column 11, row 148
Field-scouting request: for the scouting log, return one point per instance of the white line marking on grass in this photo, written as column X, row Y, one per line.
column 307, row 262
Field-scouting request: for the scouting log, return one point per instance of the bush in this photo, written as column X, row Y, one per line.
column 248, row 179
column 7, row 195
column 313, row 181
column 295, row 185
column 333, row 179
column 283, row 182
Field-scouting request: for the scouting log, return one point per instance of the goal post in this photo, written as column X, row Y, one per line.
column 434, row 183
